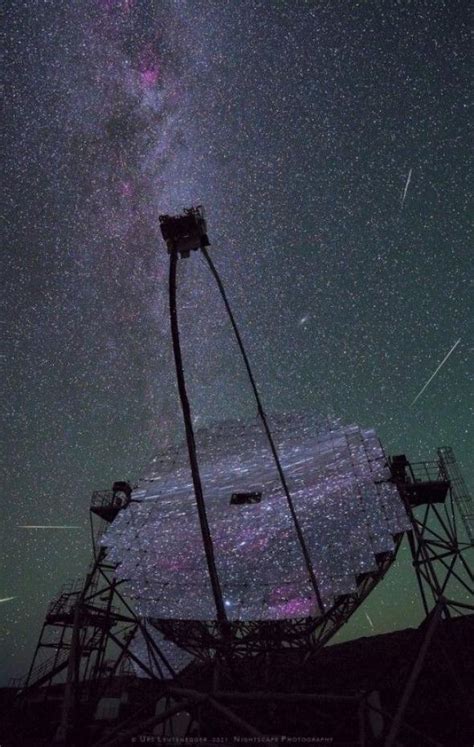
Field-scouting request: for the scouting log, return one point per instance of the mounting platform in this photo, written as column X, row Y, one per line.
column 185, row 233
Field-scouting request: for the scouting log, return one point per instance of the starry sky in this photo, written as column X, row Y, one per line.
column 297, row 124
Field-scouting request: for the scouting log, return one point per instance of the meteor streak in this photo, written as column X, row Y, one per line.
column 7, row 599
column 45, row 526
column 370, row 621
column 406, row 189
column 434, row 374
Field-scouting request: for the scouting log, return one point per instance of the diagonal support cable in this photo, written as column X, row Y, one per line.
column 185, row 407
column 263, row 418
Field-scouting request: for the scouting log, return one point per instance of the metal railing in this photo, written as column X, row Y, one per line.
column 459, row 489
column 102, row 498
column 426, row 472
column 40, row 670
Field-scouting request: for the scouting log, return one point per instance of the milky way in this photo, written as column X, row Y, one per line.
column 295, row 124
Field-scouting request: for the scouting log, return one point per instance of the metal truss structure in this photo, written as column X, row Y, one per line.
column 437, row 503
column 89, row 628
column 257, row 687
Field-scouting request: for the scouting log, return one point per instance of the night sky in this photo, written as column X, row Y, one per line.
column 298, row 125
